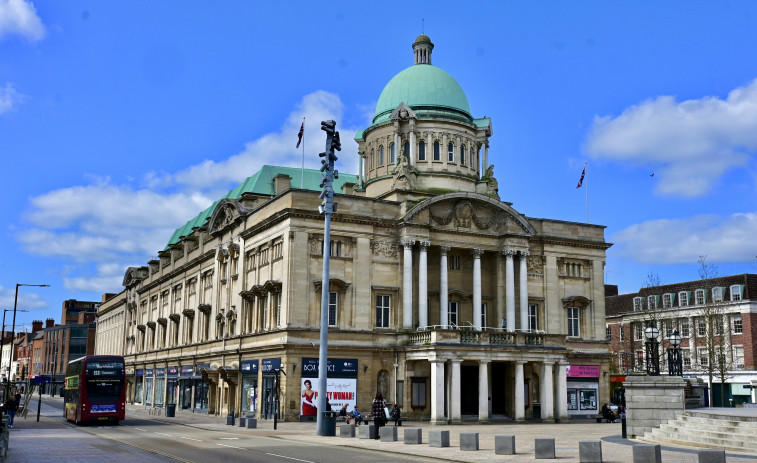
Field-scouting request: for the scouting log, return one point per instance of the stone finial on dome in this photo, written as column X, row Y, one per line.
column 422, row 49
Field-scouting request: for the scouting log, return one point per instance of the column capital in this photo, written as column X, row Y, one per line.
column 508, row 252
column 407, row 242
column 444, row 249
column 521, row 362
column 484, row 361
column 457, row 360
column 424, row 244
column 525, row 253
column 477, row 253
column 548, row 362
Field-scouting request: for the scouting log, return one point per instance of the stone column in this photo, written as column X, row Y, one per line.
column 520, row 392
column 396, row 145
column 477, row 322
column 509, row 289
column 437, row 392
column 443, row 290
column 547, row 392
column 423, row 284
column 429, row 147
column 454, row 397
column 411, row 154
column 500, row 290
column 562, row 392
column 360, row 173
column 407, row 283
column 483, row 391
column 523, row 287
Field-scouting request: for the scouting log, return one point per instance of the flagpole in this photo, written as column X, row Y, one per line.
column 586, row 165
column 302, row 176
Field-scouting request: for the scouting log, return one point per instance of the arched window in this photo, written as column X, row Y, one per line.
column 421, row 150
column 462, row 155
column 437, row 151
column 450, row 152
column 393, row 158
column 372, row 159
column 406, row 149
column 381, row 155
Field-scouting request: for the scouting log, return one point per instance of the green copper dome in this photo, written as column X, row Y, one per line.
column 428, row 90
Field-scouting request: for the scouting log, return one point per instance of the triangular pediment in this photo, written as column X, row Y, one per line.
column 227, row 211
column 402, row 113
column 471, row 211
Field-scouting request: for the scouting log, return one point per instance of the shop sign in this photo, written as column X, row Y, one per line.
column 345, row 368
column 268, row 365
column 160, row 372
column 173, row 371
column 617, row 379
column 249, row 367
column 187, row 370
column 582, row 371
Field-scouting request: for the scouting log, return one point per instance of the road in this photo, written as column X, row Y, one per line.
column 146, row 440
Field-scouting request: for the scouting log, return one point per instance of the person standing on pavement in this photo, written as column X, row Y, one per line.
column 377, row 410
column 11, row 406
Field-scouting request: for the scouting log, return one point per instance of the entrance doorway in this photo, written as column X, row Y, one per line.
column 500, row 391
column 469, row 390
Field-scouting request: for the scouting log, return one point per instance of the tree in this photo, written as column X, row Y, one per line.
column 713, row 315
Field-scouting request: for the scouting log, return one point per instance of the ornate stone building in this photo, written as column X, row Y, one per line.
column 442, row 296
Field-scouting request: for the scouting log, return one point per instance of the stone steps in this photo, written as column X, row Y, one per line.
column 707, row 430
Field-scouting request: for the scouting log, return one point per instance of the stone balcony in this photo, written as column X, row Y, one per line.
column 485, row 337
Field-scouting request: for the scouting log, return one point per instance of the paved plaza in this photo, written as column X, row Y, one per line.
column 27, row 443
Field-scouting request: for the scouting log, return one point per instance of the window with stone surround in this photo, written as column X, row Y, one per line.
column 683, row 299
column 452, row 312
column 418, row 399
column 686, row 357
column 574, row 322
column 533, row 317
column 701, row 328
column 685, row 329
column 392, row 154
column 383, row 304
column 462, row 155
column 738, row 356
column 406, row 149
column 437, row 151
column 421, row 150
column 699, row 297
column 333, row 308
column 381, row 156
column 450, row 152
column 737, row 326
column 638, row 304
column 737, row 292
column 702, row 356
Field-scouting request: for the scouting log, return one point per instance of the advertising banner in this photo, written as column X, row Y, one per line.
column 340, row 391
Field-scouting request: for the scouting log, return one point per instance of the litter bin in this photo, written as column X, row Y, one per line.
column 329, row 423
column 171, row 410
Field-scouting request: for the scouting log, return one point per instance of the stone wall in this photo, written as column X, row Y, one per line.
column 651, row 401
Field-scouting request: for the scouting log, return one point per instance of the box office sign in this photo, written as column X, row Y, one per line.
column 582, row 371
column 269, row 365
column 337, row 368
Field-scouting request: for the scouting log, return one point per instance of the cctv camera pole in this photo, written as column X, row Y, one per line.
column 326, row 208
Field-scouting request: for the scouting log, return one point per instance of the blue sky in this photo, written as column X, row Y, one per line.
column 119, row 121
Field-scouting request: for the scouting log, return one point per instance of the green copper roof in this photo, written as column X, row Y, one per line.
column 262, row 183
column 422, row 86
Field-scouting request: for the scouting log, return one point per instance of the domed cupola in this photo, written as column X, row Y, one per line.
column 423, row 139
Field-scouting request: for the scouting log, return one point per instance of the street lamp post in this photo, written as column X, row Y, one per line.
column 653, row 355
column 13, row 335
column 2, row 338
column 675, row 360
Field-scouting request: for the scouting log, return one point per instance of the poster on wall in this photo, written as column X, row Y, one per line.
column 341, row 385
column 341, row 391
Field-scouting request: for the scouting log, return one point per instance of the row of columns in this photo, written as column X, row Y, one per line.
column 407, row 285
column 547, row 391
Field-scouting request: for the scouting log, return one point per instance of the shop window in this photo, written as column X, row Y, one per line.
column 588, row 399
column 418, row 399
column 572, row 399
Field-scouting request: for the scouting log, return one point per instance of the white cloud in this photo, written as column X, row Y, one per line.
column 26, row 300
column 682, row 241
column 104, row 228
column 278, row 148
column 9, row 97
column 690, row 143
column 20, row 17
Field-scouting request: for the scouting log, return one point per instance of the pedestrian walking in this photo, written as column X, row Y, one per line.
column 11, row 407
column 377, row 410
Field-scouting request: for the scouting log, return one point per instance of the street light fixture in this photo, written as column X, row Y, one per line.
column 653, row 356
column 675, row 360
column 13, row 334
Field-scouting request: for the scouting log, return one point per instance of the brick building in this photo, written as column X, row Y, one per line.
column 729, row 339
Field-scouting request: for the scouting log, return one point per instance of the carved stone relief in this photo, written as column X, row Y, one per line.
column 385, row 249
column 463, row 213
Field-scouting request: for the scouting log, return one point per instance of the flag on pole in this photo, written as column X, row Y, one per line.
column 300, row 134
column 581, row 180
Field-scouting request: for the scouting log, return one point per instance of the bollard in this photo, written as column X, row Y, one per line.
column 623, row 427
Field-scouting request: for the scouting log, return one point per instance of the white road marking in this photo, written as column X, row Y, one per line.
column 288, row 458
column 163, row 434
column 228, row 438
column 230, row 446
column 140, row 429
column 189, row 438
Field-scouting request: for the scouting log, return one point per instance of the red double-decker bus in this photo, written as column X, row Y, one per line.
column 95, row 389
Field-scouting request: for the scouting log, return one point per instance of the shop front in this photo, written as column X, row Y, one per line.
column 269, row 367
column 172, row 385
column 249, row 370
column 201, row 389
column 139, row 382
column 185, row 387
column 149, row 383
column 341, row 385
column 160, row 387
column 583, row 389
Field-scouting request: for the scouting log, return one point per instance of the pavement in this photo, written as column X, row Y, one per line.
column 566, row 435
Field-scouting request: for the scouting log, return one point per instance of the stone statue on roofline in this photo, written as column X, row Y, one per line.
column 492, row 186
column 404, row 174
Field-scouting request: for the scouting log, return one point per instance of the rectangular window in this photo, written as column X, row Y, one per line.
column 382, row 310
column 437, row 151
column 421, row 151
column 452, row 313
column 483, row 314
column 573, row 322
column 393, row 154
column 699, row 297
column 667, row 300
column 332, row 309
column 621, row 333
column 701, row 328
column 683, row 298
column 638, row 332
column 738, row 356
column 533, row 318
column 453, row 262
column 702, row 356
column 637, row 305
column 686, row 357
column 736, row 326
column 572, row 399
column 608, row 333
column 717, row 294
column 462, row 155
column 736, row 293
column 450, row 152
column 639, row 359
column 685, row 333
column 651, row 302
column 667, row 328
column 418, row 393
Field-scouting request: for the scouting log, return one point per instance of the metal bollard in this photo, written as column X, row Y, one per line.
column 623, row 427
